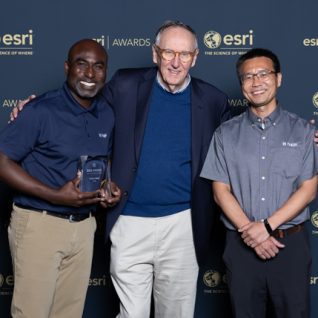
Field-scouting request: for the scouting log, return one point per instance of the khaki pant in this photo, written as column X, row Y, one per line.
column 154, row 255
column 52, row 261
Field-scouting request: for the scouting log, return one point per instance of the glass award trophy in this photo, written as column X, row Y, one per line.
column 106, row 183
column 93, row 171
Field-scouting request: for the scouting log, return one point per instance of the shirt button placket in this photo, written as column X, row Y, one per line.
column 262, row 174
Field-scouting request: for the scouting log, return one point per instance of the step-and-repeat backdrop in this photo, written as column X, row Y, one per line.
column 35, row 36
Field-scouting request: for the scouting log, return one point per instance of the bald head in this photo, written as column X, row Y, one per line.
column 86, row 44
column 85, row 69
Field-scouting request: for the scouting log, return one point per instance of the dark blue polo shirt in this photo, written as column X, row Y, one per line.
column 50, row 135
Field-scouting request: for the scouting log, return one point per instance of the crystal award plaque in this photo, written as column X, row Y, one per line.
column 92, row 172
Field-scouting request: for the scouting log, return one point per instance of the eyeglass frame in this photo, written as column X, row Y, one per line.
column 175, row 53
column 260, row 77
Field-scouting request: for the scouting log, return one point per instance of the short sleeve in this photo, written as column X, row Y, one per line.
column 310, row 158
column 215, row 166
column 18, row 138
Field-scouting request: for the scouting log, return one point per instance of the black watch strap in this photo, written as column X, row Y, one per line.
column 268, row 227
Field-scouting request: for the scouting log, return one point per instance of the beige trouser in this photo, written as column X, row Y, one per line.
column 52, row 261
column 154, row 255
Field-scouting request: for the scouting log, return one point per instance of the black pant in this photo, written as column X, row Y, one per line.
column 283, row 280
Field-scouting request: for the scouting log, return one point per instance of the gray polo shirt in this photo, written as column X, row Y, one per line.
column 264, row 162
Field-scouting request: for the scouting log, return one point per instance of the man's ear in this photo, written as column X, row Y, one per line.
column 154, row 55
column 279, row 79
column 66, row 67
column 195, row 57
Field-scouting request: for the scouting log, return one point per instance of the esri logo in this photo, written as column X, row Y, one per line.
column 310, row 42
column 213, row 40
column 17, row 39
column 228, row 44
column 17, row 43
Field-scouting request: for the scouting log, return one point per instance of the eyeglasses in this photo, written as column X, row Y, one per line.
column 169, row 55
column 262, row 75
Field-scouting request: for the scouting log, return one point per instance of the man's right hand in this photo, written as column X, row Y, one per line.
column 268, row 249
column 15, row 111
column 70, row 195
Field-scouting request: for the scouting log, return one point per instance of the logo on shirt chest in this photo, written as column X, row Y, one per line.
column 289, row 144
column 102, row 135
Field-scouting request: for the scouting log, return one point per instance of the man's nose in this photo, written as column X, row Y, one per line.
column 176, row 60
column 89, row 72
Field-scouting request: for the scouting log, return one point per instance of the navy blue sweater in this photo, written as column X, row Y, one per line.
column 163, row 182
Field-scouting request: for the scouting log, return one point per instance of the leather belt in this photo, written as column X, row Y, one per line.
column 67, row 216
column 278, row 233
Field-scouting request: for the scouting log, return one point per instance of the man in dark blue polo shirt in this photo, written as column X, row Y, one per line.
column 52, row 226
column 263, row 164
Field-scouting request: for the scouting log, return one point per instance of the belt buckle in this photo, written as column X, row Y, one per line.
column 71, row 218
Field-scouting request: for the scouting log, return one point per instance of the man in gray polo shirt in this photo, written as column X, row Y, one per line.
column 263, row 167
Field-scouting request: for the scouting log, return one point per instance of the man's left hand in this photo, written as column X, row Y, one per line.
column 110, row 195
column 269, row 248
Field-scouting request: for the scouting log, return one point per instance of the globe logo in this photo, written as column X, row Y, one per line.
column 212, row 39
column 314, row 219
column 315, row 99
column 211, row 278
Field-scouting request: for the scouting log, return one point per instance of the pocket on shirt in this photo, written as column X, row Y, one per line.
column 286, row 161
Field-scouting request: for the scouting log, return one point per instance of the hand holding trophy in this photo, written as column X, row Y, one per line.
column 95, row 174
column 107, row 182
column 92, row 172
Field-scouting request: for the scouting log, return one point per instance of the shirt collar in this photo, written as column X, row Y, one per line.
column 76, row 107
column 272, row 118
column 180, row 90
